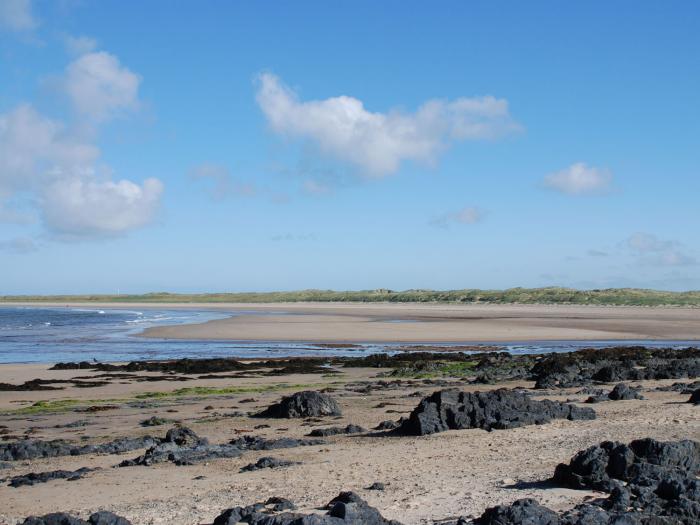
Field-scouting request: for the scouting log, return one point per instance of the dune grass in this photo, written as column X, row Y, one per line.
column 550, row 295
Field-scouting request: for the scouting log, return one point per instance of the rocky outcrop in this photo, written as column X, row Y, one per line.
column 695, row 397
column 259, row 443
column 621, row 392
column 268, row 462
column 61, row 518
column 649, row 483
column 334, row 431
column 42, row 477
column 303, row 404
column 496, row 409
column 33, row 448
column 346, row 509
column 615, row 364
column 182, row 446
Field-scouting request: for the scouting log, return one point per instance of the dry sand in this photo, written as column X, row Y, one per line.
column 427, row 478
column 439, row 323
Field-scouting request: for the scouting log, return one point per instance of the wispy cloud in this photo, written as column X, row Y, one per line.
column 654, row 251
column 18, row 245
column 467, row 215
column 579, row 179
column 221, row 185
column 342, row 128
column 17, row 15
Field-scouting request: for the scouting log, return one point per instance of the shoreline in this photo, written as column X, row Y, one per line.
column 416, row 323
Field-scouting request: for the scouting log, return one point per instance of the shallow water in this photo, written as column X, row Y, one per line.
column 49, row 335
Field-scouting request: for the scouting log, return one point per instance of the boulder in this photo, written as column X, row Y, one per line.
column 496, row 409
column 303, row 404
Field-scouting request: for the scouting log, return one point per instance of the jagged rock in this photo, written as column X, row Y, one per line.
column 155, row 421
column 182, row 446
column 623, row 392
column 521, row 512
column 695, row 397
column 32, row 448
column 42, row 477
column 303, row 404
column 61, row 518
column 377, row 485
column 259, row 443
column 346, row 509
column 334, row 431
column 683, row 388
column 387, row 425
column 496, row 409
column 268, row 462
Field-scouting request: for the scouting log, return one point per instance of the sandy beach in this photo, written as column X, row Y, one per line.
column 438, row 323
column 455, row 473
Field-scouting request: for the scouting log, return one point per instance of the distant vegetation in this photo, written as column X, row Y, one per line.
column 552, row 295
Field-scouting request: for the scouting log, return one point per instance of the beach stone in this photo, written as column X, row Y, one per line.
column 334, row 431
column 303, row 404
column 623, row 392
column 260, row 443
column 61, row 518
column 33, row 449
column 521, row 512
column 268, row 462
column 695, row 397
column 497, row 409
column 345, row 509
column 42, row 477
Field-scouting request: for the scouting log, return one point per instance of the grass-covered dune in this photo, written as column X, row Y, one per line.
column 550, row 295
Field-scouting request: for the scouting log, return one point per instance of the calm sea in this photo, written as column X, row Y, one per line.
column 49, row 335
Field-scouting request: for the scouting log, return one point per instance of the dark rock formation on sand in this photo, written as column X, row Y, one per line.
column 695, row 397
column 268, row 462
column 496, row 409
column 334, row 431
column 621, row 392
column 33, row 448
column 611, row 365
column 61, row 518
column 346, row 509
column 259, row 443
column 303, row 404
column 650, row 483
column 183, row 447
column 42, row 477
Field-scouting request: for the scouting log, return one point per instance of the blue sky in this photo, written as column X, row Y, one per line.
column 226, row 146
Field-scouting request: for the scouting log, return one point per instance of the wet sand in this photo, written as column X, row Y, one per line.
column 424, row 323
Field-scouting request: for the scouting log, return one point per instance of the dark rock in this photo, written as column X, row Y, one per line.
column 334, row 431
column 496, row 409
column 303, row 404
column 259, row 443
column 32, row 449
column 268, row 462
column 182, row 446
column 61, row 518
column 155, row 421
column 346, row 509
column 623, row 392
column 377, row 485
column 521, row 512
column 695, row 397
column 387, row 425
column 42, row 477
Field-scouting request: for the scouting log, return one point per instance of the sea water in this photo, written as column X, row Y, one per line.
column 50, row 335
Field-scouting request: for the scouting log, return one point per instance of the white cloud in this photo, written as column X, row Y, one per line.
column 86, row 207
column 31, row 145
column 16, row 15
column 46, row 164
column 468, row 215
column 579, row 179
column 80, row 45
column 654, row 251
column 18, row 245
column 99, row 87
column 379, row 142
